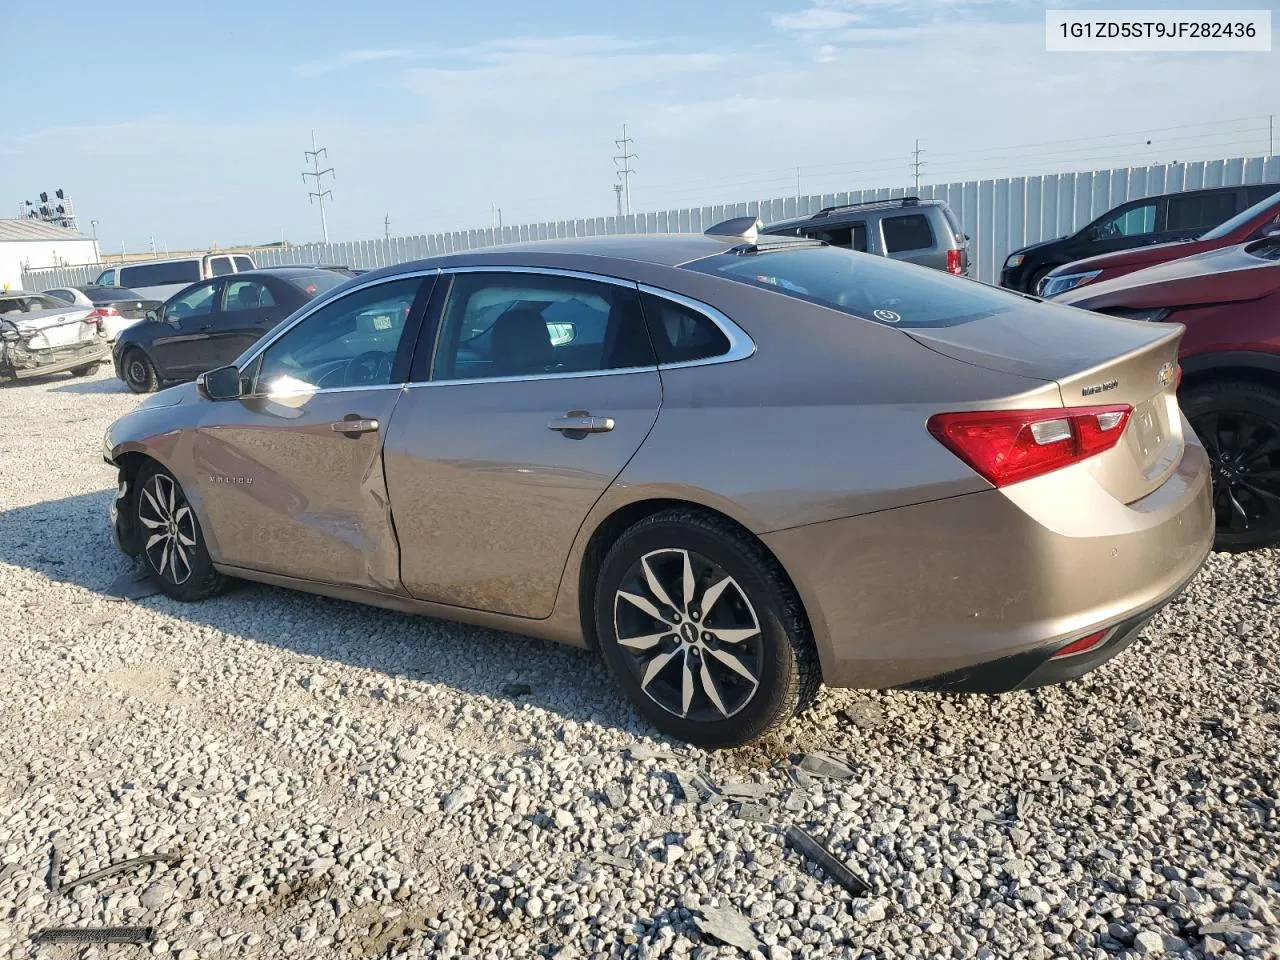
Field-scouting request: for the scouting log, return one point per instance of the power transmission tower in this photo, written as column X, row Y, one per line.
column 617, row 192
column 916, row 164
column 313, row 157
column 626, row 157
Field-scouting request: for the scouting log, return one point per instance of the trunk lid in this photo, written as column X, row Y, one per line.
column 46, row 329
column 1096, row 361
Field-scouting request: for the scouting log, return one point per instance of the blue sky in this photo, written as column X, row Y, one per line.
column 163, row 120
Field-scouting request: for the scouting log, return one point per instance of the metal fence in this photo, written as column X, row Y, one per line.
column 999, row 215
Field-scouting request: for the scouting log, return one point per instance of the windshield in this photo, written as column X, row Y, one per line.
column 1240, row 219
column 160, row 274
column 865, row 286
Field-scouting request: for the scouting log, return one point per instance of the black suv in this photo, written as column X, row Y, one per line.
column 906, row 228
column 1160, row 219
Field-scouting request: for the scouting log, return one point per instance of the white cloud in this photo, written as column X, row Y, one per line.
column 350, row 58
column 815, row 18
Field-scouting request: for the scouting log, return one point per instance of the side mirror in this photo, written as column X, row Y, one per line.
column 153, row 316
column 222, row 383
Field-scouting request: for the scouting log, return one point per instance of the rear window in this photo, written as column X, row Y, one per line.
column 1240, row 219
column 911, row 232
column 106, row 294
column 314, row 284
column 158, row 274
column 32, row 303
column 244, row 263
column 872, row 288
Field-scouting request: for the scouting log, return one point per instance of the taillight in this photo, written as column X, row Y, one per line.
column 98, row 314
column 1177, row 375
column 1006, row 446
column 955, row 262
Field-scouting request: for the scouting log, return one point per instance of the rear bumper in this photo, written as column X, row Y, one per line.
column 22, row 364
column 978, row 592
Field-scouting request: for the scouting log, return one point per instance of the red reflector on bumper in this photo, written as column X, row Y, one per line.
column 1081, row 645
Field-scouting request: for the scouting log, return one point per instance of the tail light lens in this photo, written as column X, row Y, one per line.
column 955, row 262
column 98, row 314
column 1006, row 446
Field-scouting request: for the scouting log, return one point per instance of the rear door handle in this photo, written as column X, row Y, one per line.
column 581, row 423
column 354, row 425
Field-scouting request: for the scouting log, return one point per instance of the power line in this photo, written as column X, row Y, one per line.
column 626, row 157
column 313, row 157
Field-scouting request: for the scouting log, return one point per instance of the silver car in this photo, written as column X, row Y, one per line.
column 40, row 334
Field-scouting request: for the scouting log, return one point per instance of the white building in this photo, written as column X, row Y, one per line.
column 30, row 244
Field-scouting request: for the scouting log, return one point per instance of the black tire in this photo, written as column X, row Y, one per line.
column 779, row 653
column 88, row 370
column 158, row 496
column 1239, row 425
column 139, row 372
column 1037, row 277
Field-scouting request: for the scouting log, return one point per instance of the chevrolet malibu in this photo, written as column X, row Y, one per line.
column 737, row 466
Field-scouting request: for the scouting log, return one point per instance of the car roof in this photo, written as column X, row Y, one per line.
column 658, row 249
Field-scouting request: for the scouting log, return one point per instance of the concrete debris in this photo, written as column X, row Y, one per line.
column 808, row 847
column 865, row 714
column 728, row 926
column 821, row 765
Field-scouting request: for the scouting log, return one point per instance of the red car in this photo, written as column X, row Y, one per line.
column 1260, row 220
column 1229, row 302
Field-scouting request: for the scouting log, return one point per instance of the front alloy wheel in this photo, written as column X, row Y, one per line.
column 173, row 549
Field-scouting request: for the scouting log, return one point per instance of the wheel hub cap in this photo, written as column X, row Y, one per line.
column 1245, row 451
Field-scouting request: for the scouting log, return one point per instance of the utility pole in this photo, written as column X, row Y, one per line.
column 313, row 157
column 1271, row 135
column 626, row 157
column 386, row 227
column 617, row 192
column 797, row 184
column 916, row 164
column 94, row 225
column 152, row 239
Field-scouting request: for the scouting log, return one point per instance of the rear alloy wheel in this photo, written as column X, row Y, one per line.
column 1239, row 425
column 139, row 372
column 701, row 628
column 88, row 370
column 173, row 549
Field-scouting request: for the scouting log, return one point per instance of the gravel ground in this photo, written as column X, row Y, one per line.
column 342, row 781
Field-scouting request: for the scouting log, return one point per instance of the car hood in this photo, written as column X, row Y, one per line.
column 28, row 323
column 169, row 397
column 1226, row 275
column 1032, row 247
column 1131, row 259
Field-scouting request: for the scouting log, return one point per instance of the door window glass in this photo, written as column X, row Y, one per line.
column 193, row 303
column 243, row 263
column 347, row 343
column 158, row 274
column 1133, row 222
column 517, row 325
column 221, row 266
column 246, row 295
column 1201, row 211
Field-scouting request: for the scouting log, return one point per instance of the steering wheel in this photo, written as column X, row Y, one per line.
column 368, row 369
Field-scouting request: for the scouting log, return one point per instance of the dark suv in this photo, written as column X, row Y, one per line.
column 907, row 228
column 1161, row 219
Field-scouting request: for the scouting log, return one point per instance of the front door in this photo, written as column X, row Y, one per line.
column 291, row 474
column 543, row 388
column 187, row 324
column 248, row 310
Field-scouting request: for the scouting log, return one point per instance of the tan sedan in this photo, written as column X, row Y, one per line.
column 737, row 466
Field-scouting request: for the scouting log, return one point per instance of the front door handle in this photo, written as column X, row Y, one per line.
column 354, row 425
column 581, row 423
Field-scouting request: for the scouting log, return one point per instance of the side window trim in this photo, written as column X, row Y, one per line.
column 741, row 346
